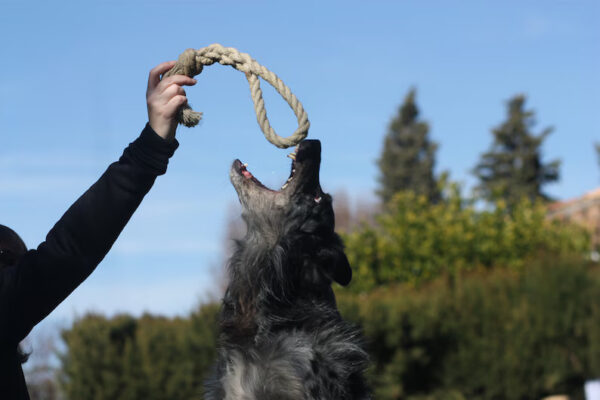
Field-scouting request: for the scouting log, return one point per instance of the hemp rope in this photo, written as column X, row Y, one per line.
column 191, row 62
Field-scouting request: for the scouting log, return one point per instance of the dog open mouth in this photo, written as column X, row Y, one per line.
column 304, row 172
column 242, row 169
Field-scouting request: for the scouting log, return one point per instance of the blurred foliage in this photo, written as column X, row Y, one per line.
column 408, row 156
column 513, row 169
column 457, row 302
column 495, row 334
column 151, row 358
column 41, row 367
column 489, row 335
column 413, row 240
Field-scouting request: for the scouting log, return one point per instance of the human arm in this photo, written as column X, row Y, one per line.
column 44, row 277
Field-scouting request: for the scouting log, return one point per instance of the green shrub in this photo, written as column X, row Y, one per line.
column 146, row 358
column 414, row 241
column 492, row 335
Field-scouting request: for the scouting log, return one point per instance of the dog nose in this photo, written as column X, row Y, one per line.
column 309, row 149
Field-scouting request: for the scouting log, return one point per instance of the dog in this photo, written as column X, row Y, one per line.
column 281, row 335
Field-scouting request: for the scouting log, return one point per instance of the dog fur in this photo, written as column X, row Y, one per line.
column 281, row 335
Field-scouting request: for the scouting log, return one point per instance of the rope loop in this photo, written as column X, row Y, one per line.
column 191, row 62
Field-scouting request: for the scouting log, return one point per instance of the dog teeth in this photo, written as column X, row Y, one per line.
column 292, row 156
column 318, row 199
column 245, row 165
column 284, row 186
column 290, row 179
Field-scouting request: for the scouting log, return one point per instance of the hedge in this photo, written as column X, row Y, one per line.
column 497, row 334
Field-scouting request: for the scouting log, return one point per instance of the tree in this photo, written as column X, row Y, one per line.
column 41, row 367
column 408, row 156
column 513, row 169
column 598, row 152
column 150, row 357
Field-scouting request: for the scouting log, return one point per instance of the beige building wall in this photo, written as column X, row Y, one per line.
column 584, row 210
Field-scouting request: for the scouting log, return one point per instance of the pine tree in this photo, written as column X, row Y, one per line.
column 598, row 152
column 408, row 156
column 513, row 169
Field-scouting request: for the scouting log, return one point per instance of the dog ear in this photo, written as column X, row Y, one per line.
column 342, row 273
column 334, row 264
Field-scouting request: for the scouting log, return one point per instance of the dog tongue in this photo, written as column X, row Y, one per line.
column 247, row 174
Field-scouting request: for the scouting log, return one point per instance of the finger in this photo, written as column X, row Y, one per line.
column 172, row 91
column 156, row 72
column 180, row 80
column 174, row 104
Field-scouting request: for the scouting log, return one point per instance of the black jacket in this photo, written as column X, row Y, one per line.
column 44, row 277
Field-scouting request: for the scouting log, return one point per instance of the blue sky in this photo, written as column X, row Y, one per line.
column 72, row 96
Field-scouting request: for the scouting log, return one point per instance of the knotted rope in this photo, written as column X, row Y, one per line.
column 191, row 62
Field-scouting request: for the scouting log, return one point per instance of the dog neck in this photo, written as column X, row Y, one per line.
column 267, row 283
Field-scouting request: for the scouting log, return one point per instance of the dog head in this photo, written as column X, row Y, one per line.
column 297, row 221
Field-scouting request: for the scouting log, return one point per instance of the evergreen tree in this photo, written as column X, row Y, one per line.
column 598, row 152
column 408, row 156
column 513, row 169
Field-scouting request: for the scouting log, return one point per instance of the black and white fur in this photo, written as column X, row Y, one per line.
column 281, row 335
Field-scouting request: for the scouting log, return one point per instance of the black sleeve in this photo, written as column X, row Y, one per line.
column 78, row 242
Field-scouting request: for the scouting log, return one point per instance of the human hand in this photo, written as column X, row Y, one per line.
column 164, row 99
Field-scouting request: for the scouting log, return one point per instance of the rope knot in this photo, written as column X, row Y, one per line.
column 190, row 66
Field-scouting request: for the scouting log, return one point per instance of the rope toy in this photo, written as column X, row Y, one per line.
column 191, row 62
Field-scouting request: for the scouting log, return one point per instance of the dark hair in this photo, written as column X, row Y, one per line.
column 12, row 248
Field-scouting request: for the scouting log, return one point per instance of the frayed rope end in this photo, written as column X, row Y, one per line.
column 189, row 117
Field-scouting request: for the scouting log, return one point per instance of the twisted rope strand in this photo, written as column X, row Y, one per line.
column 191, row 62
